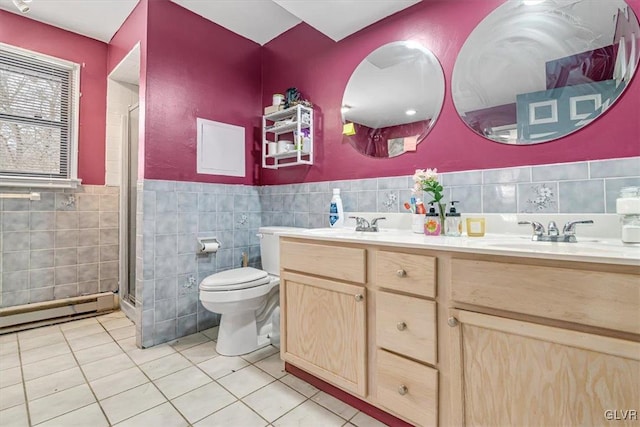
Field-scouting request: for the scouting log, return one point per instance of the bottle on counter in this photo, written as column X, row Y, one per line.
column 336, row 211
column 432, row 225
column 453, row 221
column 628, row 207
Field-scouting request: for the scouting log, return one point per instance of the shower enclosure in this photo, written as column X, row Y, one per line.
column 129, row 210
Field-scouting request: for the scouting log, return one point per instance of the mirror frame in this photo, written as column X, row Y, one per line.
column 569, row 76
column 378, row 125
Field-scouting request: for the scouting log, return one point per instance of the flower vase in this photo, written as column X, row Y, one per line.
column 441, row 209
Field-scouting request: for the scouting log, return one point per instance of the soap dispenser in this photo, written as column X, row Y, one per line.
column 432, row 225
column 453, row 221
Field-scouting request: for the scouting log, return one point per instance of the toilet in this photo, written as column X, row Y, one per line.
column 247, row 299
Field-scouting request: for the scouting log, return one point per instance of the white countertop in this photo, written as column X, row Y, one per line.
column 597, row 250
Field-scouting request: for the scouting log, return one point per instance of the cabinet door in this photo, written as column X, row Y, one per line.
column 323, row 329
column 508, row 372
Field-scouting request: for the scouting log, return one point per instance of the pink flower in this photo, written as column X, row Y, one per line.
column 427, row 180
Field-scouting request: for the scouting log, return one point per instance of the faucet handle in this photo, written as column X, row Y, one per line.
column 374, row 223
column 569, row 228
column 361, row 223
column 538, row 228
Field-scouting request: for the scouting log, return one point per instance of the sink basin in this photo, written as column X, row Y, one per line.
column 581, row 247
column 327, row 231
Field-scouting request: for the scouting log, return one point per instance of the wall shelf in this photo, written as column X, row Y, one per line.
column 288, row 122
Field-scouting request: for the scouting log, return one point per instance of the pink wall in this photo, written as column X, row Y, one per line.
column 196, row 69
column 29, row 34
column 133, row 31
column 320, row 69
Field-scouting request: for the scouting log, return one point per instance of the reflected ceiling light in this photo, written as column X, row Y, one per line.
column 532, row 2
column 410, row 112
column 345, row 108
column 22, row 5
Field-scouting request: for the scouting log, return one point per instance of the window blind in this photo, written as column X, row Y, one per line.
column 36, row 113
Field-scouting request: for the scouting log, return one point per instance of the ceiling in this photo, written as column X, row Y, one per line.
column 98, row 19
column 257, row 20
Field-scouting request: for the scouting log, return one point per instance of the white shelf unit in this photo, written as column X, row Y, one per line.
column 289, row 122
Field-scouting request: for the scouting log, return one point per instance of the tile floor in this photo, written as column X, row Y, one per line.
column 89, row 373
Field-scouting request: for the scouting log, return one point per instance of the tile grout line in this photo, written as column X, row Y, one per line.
column 237, row 398
column 191, row 364
column 123, row 391
column 150, row 382
column 83, row 374
column 24, row 383
column 215, row 381
column 240, row 399
column 79, row 366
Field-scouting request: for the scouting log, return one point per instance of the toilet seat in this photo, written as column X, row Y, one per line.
column 235, row 279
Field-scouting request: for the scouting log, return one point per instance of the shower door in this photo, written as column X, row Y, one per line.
column 131, row 180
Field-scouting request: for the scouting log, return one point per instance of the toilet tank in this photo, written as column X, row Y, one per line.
column 270, row 247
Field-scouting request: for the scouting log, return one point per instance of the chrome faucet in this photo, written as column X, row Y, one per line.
column 374, row 223
column 553, row 235
column 569, row 228
column 538, row 228
column 363, row 225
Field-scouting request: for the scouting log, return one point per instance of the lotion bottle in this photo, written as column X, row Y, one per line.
column 453, row 221
column 432, row 225
column 336, row 212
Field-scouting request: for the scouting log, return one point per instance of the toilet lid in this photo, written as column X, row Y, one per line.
column 237, row 278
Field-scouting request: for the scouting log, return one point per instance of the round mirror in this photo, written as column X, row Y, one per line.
column 392, row 99
column 536, row 70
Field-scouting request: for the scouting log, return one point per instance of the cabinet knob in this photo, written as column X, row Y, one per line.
column 401, row 273
column 401, row 326
column 359, row 297
column 452, row 321
column 403, row 389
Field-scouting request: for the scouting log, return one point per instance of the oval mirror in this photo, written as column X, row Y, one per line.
column 536, row 70
column 392, row 99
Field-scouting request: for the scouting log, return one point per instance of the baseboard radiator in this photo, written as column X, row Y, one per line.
column 50, row 312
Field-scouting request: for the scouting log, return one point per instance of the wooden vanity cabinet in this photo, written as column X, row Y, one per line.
column 323, row 321
column 543, row 343
column 363, row 318
column 404, row 348
column 458, row 339
column 521, row 373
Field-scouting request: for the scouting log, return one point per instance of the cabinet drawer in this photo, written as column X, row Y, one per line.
column 337, row 262
column 595, row 298
column 410, row 273
column 407, row 388
column 406, row 325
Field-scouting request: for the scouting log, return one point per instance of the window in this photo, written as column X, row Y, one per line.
column 39, row 100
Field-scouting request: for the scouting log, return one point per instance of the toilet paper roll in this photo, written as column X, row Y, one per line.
column 209, row 247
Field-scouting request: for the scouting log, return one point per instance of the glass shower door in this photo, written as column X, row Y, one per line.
column 132, row 181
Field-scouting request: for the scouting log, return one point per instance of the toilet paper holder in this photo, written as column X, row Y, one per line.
column 208, row 244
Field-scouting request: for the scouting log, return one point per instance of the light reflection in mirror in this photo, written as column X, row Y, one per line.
column 534, row 71
column 393, row 99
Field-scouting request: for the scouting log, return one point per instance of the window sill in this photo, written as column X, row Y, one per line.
column 31, row 182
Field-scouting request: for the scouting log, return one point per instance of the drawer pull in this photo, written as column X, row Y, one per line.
column 452, row 321
column 403, row 389
column 401, row 326
column 401, row 273
column 359, row 297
